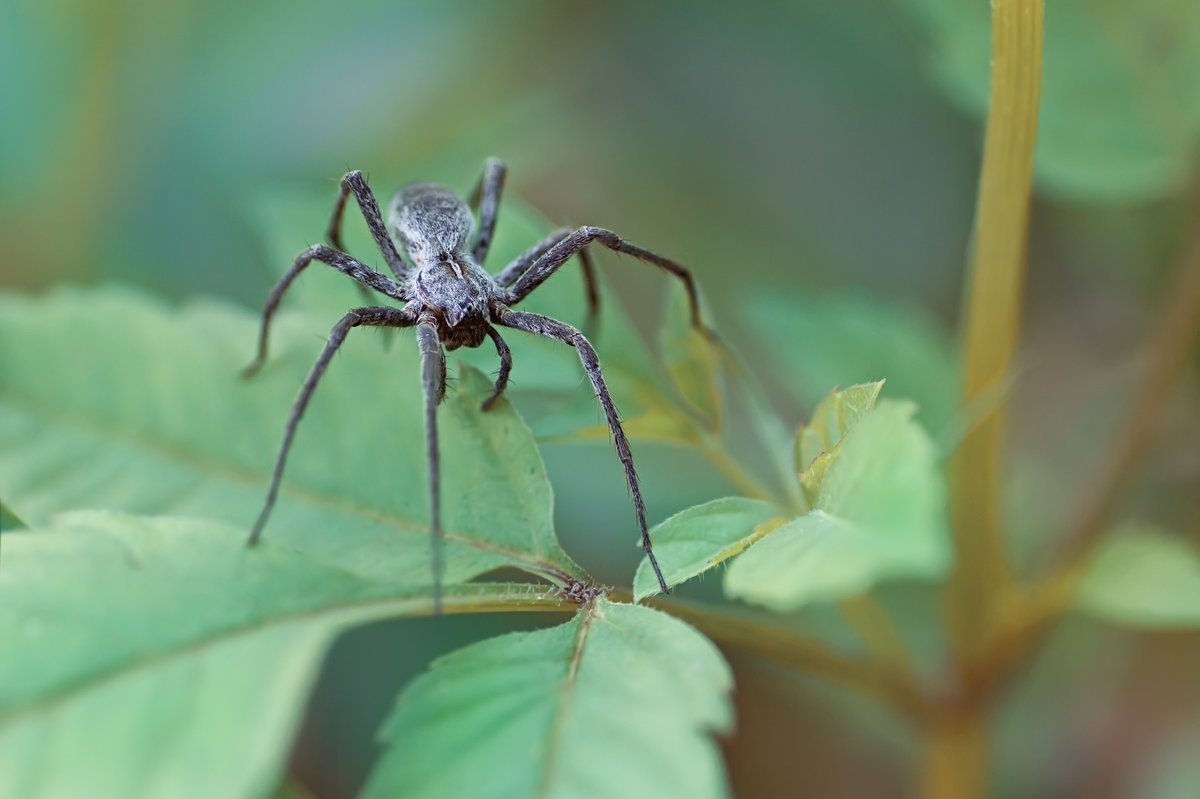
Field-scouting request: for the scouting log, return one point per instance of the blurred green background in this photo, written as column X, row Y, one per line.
column 817, row 155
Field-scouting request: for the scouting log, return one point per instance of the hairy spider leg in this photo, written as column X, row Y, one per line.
column 433, row 383
column 356, row 183
column 373, row 317
column 574, row 243
column 365, row 275
column 520, row 265
column 505, row 367
column 560, row 331
column 486, row 199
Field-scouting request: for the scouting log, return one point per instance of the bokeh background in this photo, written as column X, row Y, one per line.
column 822, row 152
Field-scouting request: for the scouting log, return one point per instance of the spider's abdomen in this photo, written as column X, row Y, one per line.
column 430, row 221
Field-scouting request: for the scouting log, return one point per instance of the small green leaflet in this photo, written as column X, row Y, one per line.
column 880, row 514
column 819, row 441
column 695, row 540
column 1145, row 579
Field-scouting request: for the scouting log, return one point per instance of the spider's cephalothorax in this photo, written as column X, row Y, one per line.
column 434, row 226
column 453, row 302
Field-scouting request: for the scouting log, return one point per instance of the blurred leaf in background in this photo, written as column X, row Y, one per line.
column 1120, row 111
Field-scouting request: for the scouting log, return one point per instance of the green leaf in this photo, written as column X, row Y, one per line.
column 880, row 515
column 821, row 439
column 111, row 399
column 831, row 340
column 1144, row 579
column 692, row 360
column 1120, row 107
column 695, row 540
column 622, row 701
column 160, row 657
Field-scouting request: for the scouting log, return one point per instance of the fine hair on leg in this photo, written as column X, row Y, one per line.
column 375, row 317
column 354, row 182
column 505, row 368
column 365, row 275
column 487, row 198
column 433, row 384
column 560, row 331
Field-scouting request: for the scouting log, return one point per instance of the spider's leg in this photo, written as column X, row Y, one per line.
column 376, row 317
column 505, row 367
column 486, row 198
column 554, row 329
column 520, row 265
column 576, row 241
column 365, row 275
column 433, row 382
column 356, row 183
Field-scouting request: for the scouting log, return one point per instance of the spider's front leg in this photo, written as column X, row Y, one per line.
column 375, row 317
column 560, row 331
column 574, row 243
column 521, row 264
column 365, row 275
column 433, row 383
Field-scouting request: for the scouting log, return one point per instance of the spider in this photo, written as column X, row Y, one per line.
column 453, row 302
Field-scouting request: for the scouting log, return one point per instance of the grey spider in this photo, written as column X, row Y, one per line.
column 453, row 303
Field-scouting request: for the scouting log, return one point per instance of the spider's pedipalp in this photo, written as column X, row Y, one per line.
column 505, row 368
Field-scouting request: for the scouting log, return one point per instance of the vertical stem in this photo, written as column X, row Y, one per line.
column 957, row 760
column 992, row 315
column 956, row 763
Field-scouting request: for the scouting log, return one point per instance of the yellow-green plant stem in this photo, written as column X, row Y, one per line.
column 956, row 761
column 992, row 315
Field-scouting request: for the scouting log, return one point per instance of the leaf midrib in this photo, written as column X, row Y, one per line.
column 536, row 595
column 566, row 693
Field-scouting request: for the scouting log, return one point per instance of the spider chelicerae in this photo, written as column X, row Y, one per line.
column 453, row 302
